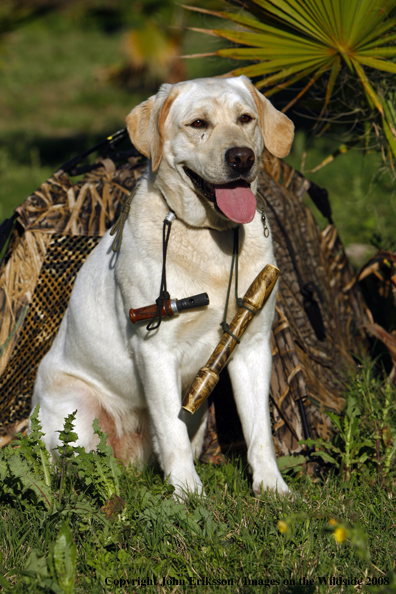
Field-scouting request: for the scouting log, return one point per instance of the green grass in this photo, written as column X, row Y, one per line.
column 230, row 535
column 53, row 101
column 89, row 522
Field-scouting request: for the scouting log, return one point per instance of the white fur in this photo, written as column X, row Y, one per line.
column 131, row 380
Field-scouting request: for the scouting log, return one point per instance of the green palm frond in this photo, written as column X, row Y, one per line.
column 286, row 42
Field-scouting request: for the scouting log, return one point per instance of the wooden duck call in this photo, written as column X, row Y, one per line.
column 208, row 376
column 173, row 306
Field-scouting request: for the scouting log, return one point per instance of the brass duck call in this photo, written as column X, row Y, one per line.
column 173, row 306
column 208, row 376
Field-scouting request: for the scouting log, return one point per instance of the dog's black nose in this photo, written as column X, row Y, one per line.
column 240, row 158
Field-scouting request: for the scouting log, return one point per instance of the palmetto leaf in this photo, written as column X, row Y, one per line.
column 378, row 64
column 287, row 41
column 371, row 94
column 283, row 75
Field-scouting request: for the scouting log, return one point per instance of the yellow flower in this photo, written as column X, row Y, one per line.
column 333, row 522
column 340, row 534
column 282, row 526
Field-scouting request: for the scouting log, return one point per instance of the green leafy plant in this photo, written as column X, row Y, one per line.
column 25, row 469
column 366, row 431
column 378, row 403
column 349, row 448
column 27, row 475
column 55, row 572
column 97, row 470
column 151, row 47
column 65, row 552
column 290, row 463
column 343, row 49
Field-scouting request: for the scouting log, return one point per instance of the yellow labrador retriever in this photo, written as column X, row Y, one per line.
column 205, row 140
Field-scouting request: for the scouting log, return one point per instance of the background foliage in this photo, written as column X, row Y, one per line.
column 67, row 80
column 341, row 50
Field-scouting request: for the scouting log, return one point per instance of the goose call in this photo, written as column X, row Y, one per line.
column 208, row 376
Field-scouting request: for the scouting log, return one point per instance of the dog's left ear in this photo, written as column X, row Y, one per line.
column 145, row 124
column 276, row 128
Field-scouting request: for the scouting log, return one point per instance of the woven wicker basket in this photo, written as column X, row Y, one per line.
column 61, row 222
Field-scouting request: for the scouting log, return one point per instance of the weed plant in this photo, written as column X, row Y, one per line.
column 366, row 434
column 88, row 524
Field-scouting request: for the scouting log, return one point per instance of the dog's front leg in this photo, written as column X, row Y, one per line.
column 162, row 387
column 250, row 373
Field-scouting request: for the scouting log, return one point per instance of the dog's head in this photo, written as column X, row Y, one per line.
column 205, row 140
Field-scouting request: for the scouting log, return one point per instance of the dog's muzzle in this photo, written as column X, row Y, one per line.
column 235, row 199
column 240, row 159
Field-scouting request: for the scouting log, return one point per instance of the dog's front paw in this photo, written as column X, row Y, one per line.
column 275, row 484
column 186, row 486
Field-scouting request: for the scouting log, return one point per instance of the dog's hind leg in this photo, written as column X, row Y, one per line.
column 60, row 398
column 128, row 434
column 129, row 437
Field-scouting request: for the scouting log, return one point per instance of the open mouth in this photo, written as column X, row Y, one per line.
column 206, row 188
column 235, row 199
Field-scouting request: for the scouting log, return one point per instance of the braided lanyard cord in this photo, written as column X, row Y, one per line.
column 164, row 295
column 239, row 301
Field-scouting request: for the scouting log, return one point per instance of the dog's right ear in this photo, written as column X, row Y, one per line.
column 145, row 124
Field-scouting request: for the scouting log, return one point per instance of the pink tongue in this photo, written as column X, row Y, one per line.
column 236, row 201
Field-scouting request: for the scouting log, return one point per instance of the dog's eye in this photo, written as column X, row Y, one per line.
column 198, row 124
column 245, row 118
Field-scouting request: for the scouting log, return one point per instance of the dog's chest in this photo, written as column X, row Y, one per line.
column 197, row 261
column 202, row 259
column 205, row 266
